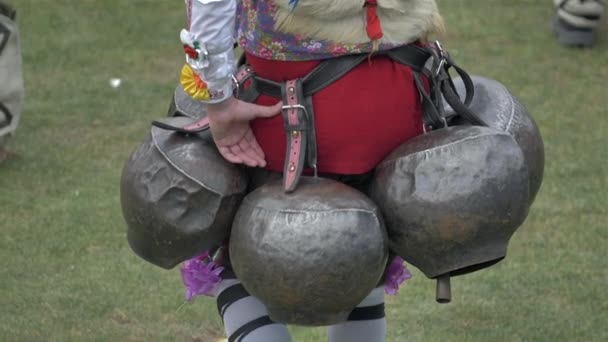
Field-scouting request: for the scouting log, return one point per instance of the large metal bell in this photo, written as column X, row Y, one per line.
column 178, row 196
column 312, row 255
column 452, row 198
column 502, row 110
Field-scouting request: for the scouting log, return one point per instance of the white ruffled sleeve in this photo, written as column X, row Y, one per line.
column 211, row 40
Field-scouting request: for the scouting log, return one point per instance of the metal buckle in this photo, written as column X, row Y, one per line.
column 315, row 171
column 296, row 106
column 442, row 57
column 425, row 128
column 218, row 255
column 439, row 48
column 236, row 87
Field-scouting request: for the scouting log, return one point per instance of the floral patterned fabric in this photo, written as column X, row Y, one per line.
column 256, row 34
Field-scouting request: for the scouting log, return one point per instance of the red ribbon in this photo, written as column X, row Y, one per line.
column 190, row 51
column 373, row 27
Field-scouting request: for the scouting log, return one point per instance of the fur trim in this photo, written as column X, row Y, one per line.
column 403, row 21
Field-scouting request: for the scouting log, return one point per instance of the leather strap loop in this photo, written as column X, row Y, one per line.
column 196, row 126
column 451, row 97
column 295, row 116
column 246, row 84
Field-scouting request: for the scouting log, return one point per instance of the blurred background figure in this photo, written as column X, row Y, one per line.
column 576, row 21
column 11, row 80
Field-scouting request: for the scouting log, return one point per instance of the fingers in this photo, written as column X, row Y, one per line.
column 236, row 155
column 234, row 137
column 252, row 153
column 229, row 155
column 252, row 111
column 250, row 147
column 269, row 111
column 243, row 151
column 250, row 138
column 247, row 151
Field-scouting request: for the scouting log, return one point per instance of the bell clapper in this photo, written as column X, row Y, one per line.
column 444, row 291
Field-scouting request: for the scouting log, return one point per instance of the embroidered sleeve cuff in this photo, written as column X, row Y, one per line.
column 219, row 94
column 198, row 89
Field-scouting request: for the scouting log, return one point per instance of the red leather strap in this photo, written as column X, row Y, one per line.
column 295, row 138
column 245, row 83
column 243, row 73
column 198, row 126
column 194, row 127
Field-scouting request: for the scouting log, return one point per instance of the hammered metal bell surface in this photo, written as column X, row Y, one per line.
column 502, row 110
column 312, row 255
column 178, row 196
column 452, row 198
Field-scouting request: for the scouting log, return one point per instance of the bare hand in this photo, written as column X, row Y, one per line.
column 229, row 125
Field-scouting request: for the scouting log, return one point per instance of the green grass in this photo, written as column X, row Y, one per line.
column 68, row 275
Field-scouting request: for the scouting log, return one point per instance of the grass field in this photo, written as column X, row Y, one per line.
column 67, row 273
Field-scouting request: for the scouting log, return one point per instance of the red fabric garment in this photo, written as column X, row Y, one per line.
column 359, row 119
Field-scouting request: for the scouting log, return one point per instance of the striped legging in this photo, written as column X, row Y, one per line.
column 246, row 318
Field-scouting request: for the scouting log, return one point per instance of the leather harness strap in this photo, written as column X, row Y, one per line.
column 195, row 126
column 245, row 77
column 297, row 125
column 298, row 111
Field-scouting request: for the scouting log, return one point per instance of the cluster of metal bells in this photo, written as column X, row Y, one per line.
column 447, row 202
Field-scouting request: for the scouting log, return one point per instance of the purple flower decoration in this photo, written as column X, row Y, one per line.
column 396, row 274
column 200, row 276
